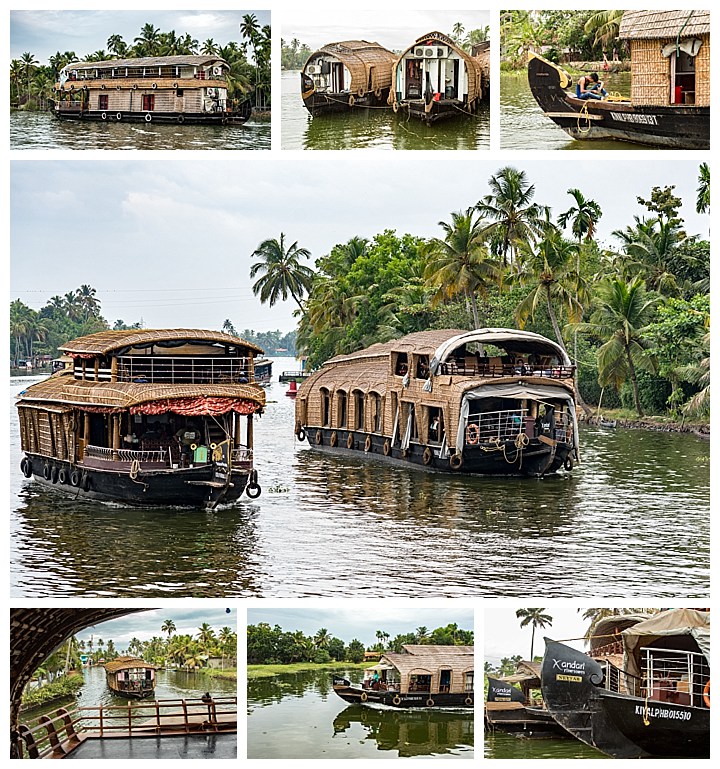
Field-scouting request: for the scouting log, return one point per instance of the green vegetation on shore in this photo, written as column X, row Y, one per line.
column 268, row 671
column 32, row 83
column 61, row 688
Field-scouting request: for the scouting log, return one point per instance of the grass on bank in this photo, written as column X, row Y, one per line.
column 268, row 671
column 62, row 688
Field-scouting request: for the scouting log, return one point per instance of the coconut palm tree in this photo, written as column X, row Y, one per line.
column 702, row 206
column 605, row 25
column 148, row 42
column 282, row 275
column 206, row 636
column 168, row 627
column 583, row 216
column 209, row 48
column 459, row 264
column 29, row 62
column 321, row 638
column 536, row 618
column 513, row 216
column 117, row 46
column 623, row 311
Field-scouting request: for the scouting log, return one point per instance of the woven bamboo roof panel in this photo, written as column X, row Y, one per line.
column 662, row 25
column 359, row 56
column 437, row 649
column 64, row 388
column 105, row 342
column 122, row 663
column 456, row 658
column 147, row 61
column 421, row 343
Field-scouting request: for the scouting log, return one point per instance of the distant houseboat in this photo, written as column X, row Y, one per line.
column 130, row 677
column 669, row 104
column 149, row 417
column 492, row 401
column 422, row 676
column 263, row 371
column 654, row 702
column 167, row 89
column 340, row 76
column 434, row 79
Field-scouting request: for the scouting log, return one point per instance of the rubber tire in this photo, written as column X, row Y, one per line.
column 363, row 697
column 333, row 439
column 568, row 464
column 318, row 437
column 396, row 700
column 368, row 444
column 428, row 456
column 387, row 448
column 350, row 442
column 54, row 474
column 255, row 489
column 62, row 476
column 75, row 478
column 429, row 702
column 46, row 471
column 301, row 434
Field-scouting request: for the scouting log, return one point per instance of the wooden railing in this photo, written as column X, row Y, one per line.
column 184, row 370
column 495, row 371
column 53, row 736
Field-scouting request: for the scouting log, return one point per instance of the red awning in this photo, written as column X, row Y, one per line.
column 200, row 406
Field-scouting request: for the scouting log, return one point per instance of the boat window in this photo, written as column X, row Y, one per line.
column 325, row 396
column 435, row 424
column 376, row 413
column 342, row 408
column 179, row 92
column 469, row 682
column 422, row 367
column 682, row 69
column 445, row 680
column 419, row 683
column 148, row 102
column 103, row 101
column 400, row 363
column 359, row 410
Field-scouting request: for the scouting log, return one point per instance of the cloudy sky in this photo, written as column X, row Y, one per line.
column 361, row 621
column 394, row 29
column 144, row 625
column 43, row 32
column 170, row 241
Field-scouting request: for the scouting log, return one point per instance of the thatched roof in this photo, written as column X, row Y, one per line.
column 358, row 56
column 608, row 629
column 526, row 672
column 105, row 342
column 65, row 389
column 662, row 25
column 148, row 61
column 121, row 663
column 436, row 649
column 431, row 658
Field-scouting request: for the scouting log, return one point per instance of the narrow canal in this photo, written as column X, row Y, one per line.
column 631, row 520
column 376, row 128
column 297, row 715
column 523, row 126
column 42, row 131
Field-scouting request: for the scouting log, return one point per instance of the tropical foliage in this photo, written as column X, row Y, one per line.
column 32, row 83
column 268, row 645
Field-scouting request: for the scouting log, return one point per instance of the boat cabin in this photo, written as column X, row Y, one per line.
column 130, row 677
column 670, row 52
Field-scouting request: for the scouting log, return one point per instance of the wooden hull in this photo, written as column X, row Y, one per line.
column 175, row 118
column 184, row 487
column 673, row 127
column 328, row 103
column 357, row 696
column 536, row 459
column 619, row 725
column 444, row 109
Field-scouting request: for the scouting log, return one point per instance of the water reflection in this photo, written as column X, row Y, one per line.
column 374, row 128
column 524, row 126
column 40, row 131
column 330, row 525
column 500, row 745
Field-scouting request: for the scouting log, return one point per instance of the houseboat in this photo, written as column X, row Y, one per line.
column 341, row 76
column 130, row 677
column 669, row 104
column 493, row 401
column 263, row 371
column 147, row 417
column 655, row 703
column 161, row 89
column 434, row 79
column 513, row 706
column 421, row 676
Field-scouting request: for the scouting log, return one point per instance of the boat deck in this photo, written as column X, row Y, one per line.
column 158, row 746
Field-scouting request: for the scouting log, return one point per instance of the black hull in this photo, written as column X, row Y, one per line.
column 537, row 459
column 358, row 696
column 439, row 110
column 144, row 695
column 672, row 127
column 174, row 118
column 531, row 722
column 613, row 723
column 184, row 487
column 334, row 103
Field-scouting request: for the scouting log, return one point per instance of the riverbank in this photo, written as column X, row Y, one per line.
column 62, row 689
column 268, row 671
column 230, row 674
column 665, row 424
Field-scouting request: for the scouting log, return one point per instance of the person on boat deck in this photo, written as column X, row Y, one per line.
column 187, row 436
column 376, row 680
column 590, row 87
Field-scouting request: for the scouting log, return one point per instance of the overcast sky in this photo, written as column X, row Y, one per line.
column 44, row 32
column 144, row 625
column 393, row 29
column 170, row 241
column 361, row 621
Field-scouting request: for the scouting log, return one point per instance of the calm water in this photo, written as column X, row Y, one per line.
column 523, row 126
column 499, row 745
column 376, row 128
column 297, row 715
column 631, row 520
column 42, row 131
column 170, row 684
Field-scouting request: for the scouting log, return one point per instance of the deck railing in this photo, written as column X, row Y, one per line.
column 493, row 371
column 492, row 427
column 52, row 736
column 185, row 370
column 126, row 455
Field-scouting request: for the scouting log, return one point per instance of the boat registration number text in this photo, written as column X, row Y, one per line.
column 629, row 117
column 677, row 715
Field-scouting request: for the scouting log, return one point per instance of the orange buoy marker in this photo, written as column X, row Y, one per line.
column 292, row 390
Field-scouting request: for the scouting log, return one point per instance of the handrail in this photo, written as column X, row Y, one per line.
column 495, row 371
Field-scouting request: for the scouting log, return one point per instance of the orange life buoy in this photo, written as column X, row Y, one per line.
column 472, row 434
column 706, row 693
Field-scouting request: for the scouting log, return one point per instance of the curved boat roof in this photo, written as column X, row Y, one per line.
column 105, row 342
column 358, row 56
column 608, row 628
column 148, row 61
column 121, row 663
column 663, row 25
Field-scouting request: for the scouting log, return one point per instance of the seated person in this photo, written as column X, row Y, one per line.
column 187, row 436
column 590, row 87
